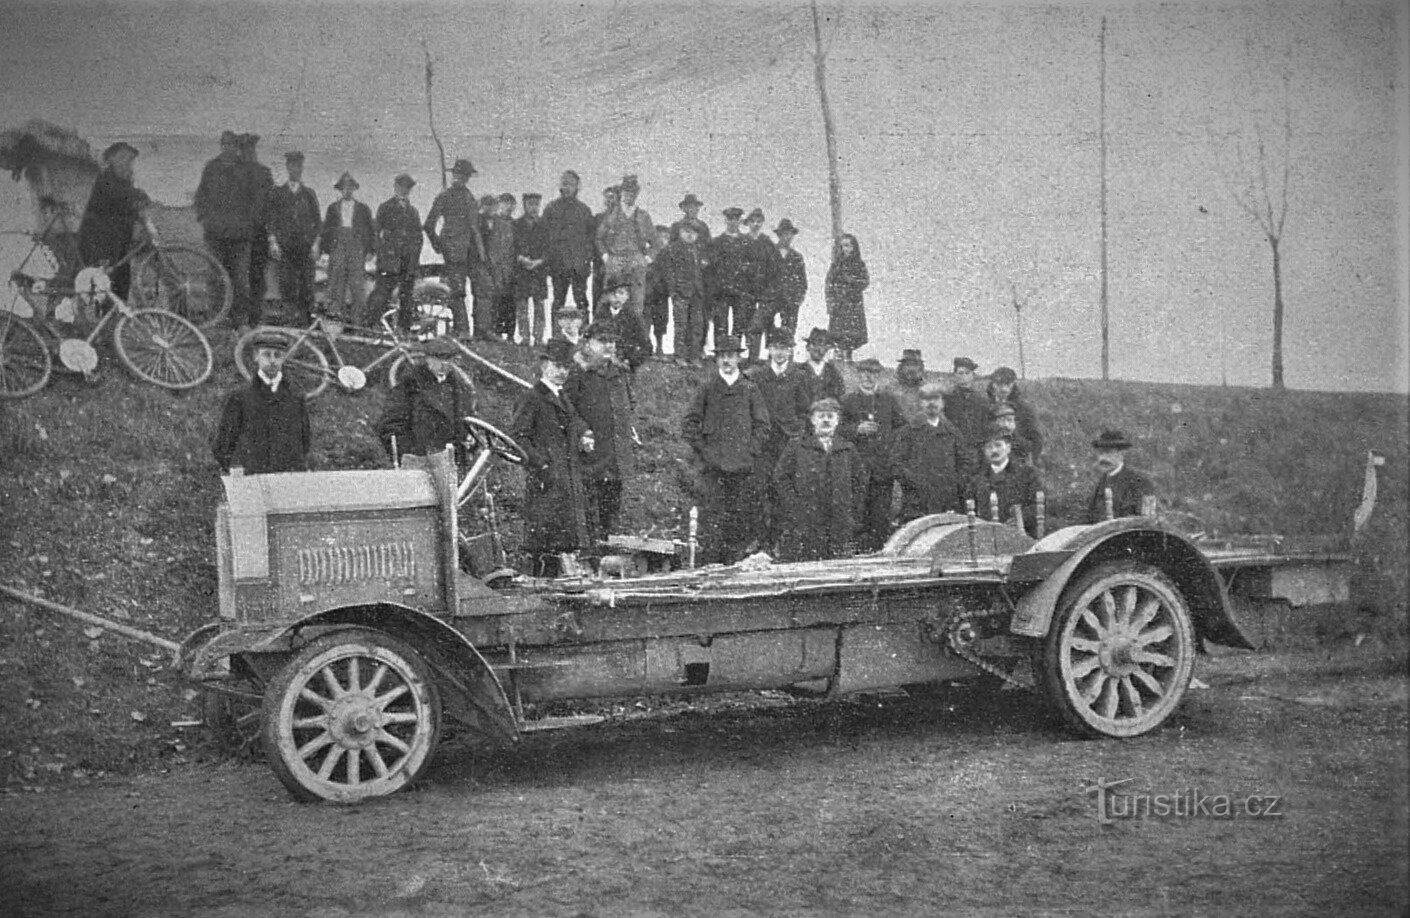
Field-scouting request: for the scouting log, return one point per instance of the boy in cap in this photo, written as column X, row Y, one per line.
column 348, row 239
column 969, row 412
column 684, row 269
column 600, row 390
column 569, row 320
column 788, row 418
column 397, row 234
column 453, row 228
column 817, row 376
column 821, row 483
column 1004, row 488
column 116, row 209
column 726, row 426
column 228, row 207
column 633, row 346
column 1027, row 436
column 264, row 426
column 729, row 277
column 1125, row 491
column 531, row 272
column 554, row 439
column 930, row 459
column 872, row 420
column 292, row 219
column 426, row 410
column 792, row 286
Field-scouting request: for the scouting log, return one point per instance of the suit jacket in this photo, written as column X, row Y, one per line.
column 263, row 431
column 361, row 227
column 398, row 237
column 292, row 216
column 425, row 415
column 1128, row 489
column 1016, row 486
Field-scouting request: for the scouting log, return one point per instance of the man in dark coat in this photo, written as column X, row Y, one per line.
column 115, row 208
column 600, row 390
column 817, row 376
column 426, row 410
column 633, row 346
column 766, row 265
column 553, row 438
column 792, row 286
column 263, row 179
column 398, row 235
column 788, row 418
column 690, row 205
column 570, row 232
column 293, row 238
column 453, row 229
column 1027, row 435
column 969, row 412
column 656, row 301
column 728, row 275
column 1004, row 488
column 1132, row 494
column 531, row 272
column 726, row 426
column 264, row 427
column 929, row 459
column 229, row 205
column 910, row 376
column 348, row 239
column 872, row 420
column 821, row 482
column 682, row 263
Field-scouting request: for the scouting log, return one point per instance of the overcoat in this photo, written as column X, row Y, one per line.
column 1016, row 485
column 847, row 278
column 820, row 495
column 727, row 424
column 555, row 507
column 788, row 409
column 602, row 396
column 531, row 242
column 730, row 269
column 827, row 384
column 263, row 431
column 292, row 216
column 969, row 412
column 876, row 449
column 570, row 229
column 425, row 415
column 928, row 463
column 114, row 205
column 229, row 200
column 398, row 237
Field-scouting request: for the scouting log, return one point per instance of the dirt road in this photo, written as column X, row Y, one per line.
column 880, row 805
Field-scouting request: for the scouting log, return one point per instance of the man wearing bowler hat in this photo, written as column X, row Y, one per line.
column 764, row 267
column 555, row 440
column 600, row 390
column 293, row 224
column 453, row 229
column 633, row 346
column 910, row 375
column 821, row 483
column 426, row 410
column 569, row 321
column 726, row 426
column 690, row 205
column 817, row 376
column 1131, row 493
column 229, row 206
column 872, row 420
column 264, row 426
column 788, row 418
column 397, row 232
column 792, row 285
column 348, row 240
column 116, row 209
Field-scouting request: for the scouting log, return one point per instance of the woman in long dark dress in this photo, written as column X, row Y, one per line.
column 847, row 278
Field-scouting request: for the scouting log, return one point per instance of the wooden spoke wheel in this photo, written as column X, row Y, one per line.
column 353, row 715
column 1120, row 651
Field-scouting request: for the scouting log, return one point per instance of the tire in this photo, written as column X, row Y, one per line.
column 305, row 364
column 1119, row 654
column 399, row 370
column 163, row 348
column 186, row 280
column 25, row 364
column 352, row 716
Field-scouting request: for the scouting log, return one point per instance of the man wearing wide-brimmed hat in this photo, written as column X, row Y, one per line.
column 1121, row 490
column 726, row 426
column 264, row 426
column 426, row 410
column 293, row 221
column 347, row 238
column 116, row 209
column 626, row 236
column 792, row 286
column 788, row 418
column 398, row 245
column 872, row 419
column 821, row 482
column 690, row 205
column 453, row 228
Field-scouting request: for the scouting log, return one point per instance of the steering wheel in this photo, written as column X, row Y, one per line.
column 485, row 436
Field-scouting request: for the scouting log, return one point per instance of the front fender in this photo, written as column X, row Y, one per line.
column 1135, row 538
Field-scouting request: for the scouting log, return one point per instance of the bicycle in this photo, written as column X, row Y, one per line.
column 183, row 279
column 157, row 346
column 308, row 367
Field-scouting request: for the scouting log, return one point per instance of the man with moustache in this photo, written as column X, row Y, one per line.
column 766, row 265
column 821, row 482
column 788, row 418
column 930, row 458
column 1004, row 487
column 969, row 412
column 1131, row 493
column 627, row 239
column 728, row 277
column 690, row 205
column 910, row 376
column 872, row 420
column 264, row 426
column 570, row 232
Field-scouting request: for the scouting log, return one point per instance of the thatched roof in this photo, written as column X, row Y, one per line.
column 38, row 141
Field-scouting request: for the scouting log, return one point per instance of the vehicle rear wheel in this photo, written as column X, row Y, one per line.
column 1120, row 651
column 304, row 363
column 163, row 348
column 186, row 280
column 25, row 364
column 354, row 715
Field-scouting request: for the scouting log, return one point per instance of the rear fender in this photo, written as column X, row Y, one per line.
column 1137, row 539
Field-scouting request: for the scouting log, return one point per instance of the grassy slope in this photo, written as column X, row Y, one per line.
column 107, row 493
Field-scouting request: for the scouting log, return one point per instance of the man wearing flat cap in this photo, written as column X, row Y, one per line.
column 293, row 221
column 872, row 419
column 729, row 277
column 571, row 231
column 626, row 237
column 1004, row 490
column 1027, row 435
column 726, row 426
column 968, row 410
column 930, row 459
column 821, row 483
column 229, row 206
column 115, row 213
column 531, row 272
column 426, row 410
column 453, row 229
column 264, row 426
column 600, row 390
column 1120, row 491
column 348, row 239
column 555, row 440
column 792, row 285
column 397, row 233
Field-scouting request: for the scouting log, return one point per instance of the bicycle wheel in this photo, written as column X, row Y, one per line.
column 400, row 368
column 304, row 364
column 186, row 280
column 25, row 363
column 163, row 348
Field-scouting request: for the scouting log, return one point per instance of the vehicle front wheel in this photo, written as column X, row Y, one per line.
column 354, row 715
column 1120, row 651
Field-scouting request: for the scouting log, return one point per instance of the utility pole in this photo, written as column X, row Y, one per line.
column 1106, row 328
column 1018, row 320
column 834, row 179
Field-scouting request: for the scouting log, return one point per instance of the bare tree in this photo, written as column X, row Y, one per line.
column 430, row 114
column 834, row 178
